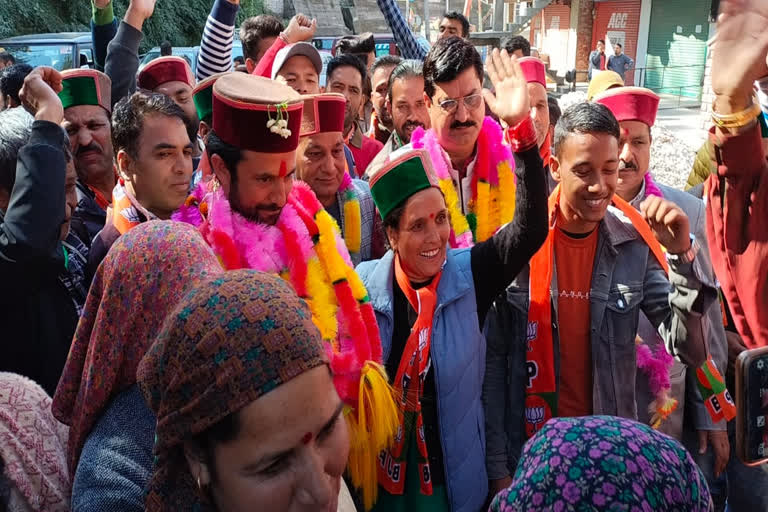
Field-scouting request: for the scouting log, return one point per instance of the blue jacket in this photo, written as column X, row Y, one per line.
column 458, row 360
column 116, row 462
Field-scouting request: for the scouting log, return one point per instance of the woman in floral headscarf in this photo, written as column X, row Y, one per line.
column 604, row 463
column 248, row 417
column 145, row 274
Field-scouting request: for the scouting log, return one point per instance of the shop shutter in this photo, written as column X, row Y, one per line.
column 619, row 22
column 677, row 47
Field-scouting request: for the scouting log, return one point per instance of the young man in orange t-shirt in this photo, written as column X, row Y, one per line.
column 563, row 343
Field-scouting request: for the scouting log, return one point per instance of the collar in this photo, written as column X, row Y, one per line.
column 639, row 197
column 355, row 137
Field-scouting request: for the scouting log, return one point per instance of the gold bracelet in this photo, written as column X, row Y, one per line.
column 739, row 119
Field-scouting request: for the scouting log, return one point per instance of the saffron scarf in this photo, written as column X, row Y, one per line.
column 541, row 389
column 409, row 386
column 306, row 249
column 492, row 202
column 126, row 213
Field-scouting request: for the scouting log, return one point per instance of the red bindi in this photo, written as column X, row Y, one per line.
column 283, row 169
column 307, row 438
column 431, row 215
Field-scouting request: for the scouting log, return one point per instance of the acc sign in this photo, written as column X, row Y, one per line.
column 618, row 20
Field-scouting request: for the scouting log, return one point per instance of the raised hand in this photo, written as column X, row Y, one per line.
column 511, row 102
column 669, row 224
column 138, row 12
column 740, row 52
column 300, row 28
column 39, row 94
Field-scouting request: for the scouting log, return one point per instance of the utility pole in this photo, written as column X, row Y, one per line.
column 426, row 19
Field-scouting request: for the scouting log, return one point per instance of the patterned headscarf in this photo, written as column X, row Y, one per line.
column 230, row 341
column 32, row 445
column 604, row 463
column 145, row 274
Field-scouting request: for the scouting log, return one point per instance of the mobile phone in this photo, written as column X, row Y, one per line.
column 752, row 406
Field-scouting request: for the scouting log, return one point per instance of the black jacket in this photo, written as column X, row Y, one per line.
column 37, row 315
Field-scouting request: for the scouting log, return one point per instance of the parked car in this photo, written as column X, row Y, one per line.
column 65, row 50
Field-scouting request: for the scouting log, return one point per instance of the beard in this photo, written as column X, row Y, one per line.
column 252, row 213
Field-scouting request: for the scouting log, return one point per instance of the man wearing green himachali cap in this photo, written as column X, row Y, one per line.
column 86, row 95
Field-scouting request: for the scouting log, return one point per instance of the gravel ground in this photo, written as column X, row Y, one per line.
column 671, row 157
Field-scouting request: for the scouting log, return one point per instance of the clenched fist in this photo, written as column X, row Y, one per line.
column 39, row 94
column 668, row 222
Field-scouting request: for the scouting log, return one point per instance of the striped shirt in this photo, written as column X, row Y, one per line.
column 215, row 54
column 410, row 46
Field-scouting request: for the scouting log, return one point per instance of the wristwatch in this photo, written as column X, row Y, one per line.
column 687, row 256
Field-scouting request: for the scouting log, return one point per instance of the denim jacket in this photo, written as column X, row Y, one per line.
column 626, row 279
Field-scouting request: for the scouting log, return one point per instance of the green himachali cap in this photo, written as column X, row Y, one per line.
column 202, row 95
column 86, row 87
column 405, row 172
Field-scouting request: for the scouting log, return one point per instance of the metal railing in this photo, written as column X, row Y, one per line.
column 654, row 78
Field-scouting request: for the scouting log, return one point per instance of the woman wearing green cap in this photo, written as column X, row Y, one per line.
column 430, row 305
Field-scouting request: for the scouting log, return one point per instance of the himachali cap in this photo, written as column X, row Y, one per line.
column 533, row 70
column 405, row 172
column 292, row 50
column 603, row 81
column 257, row 114
column 323, row 113
column 631, row 104
column 202, row 95
column 163, row 70
column 86, row 87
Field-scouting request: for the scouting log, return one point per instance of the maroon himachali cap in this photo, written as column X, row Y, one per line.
column 163, row 70
column 631, row 104
column 323, row 113
column 257, row 114
column 533, row 70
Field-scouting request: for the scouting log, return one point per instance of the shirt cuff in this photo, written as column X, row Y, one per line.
column 103, row 16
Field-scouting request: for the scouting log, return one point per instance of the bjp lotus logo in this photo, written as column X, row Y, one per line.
column 537, row 413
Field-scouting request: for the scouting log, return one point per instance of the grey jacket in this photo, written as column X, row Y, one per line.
column 625, row 280
column 684, row 387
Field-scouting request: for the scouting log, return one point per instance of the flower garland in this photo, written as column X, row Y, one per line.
column 493, row 185
column 305, row 248
column 351, row 217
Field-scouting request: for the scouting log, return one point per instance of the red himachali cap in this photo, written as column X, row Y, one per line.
column 533, row 70
column 163, row 70
column 631, row 104
column 257, row 114
column 323, row 113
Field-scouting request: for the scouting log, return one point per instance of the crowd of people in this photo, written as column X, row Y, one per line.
column 422, row 286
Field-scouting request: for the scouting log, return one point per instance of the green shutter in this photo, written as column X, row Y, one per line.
column 677, row 53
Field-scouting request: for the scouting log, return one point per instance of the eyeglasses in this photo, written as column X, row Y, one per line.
column 471, row 102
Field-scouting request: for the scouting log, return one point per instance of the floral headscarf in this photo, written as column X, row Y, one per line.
column 604, row 463
column 145, row 274
column 230, row 341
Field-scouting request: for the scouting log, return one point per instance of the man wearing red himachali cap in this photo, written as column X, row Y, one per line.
column 635, row 109
column 577, row 304
column 254, row 215
column 321, row 164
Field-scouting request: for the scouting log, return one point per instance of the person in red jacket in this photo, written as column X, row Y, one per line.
column 737, row 197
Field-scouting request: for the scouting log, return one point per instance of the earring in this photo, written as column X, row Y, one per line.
column 199, row 485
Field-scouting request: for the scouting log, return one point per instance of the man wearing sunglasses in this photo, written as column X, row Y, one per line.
column 471, row 145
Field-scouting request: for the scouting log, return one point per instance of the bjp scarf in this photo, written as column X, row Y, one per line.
column 541, row 389
column 126, row 213
column 409, row 385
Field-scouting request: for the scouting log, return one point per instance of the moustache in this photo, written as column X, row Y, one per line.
column 626, row 165
column 89, row 147
column 412, row 124
column 462, row 124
